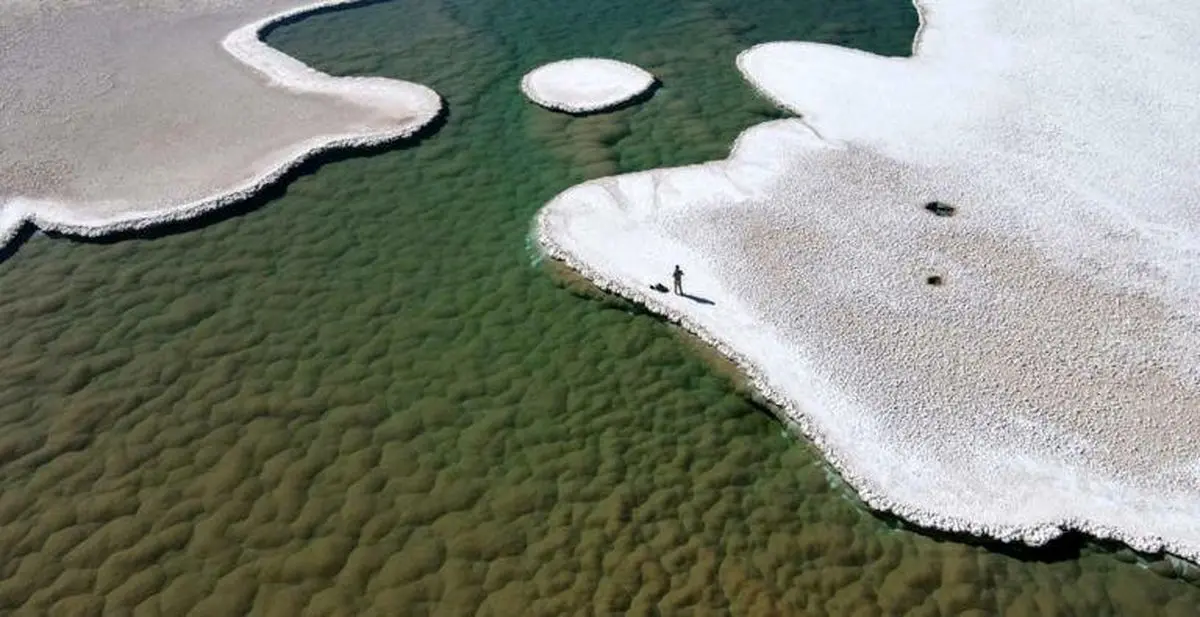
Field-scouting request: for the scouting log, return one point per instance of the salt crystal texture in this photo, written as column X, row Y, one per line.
column 125, row 114
column 583, row 85
column 1051, row 381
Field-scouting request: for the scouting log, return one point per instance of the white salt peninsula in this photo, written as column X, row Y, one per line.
column 124, row 113
column 585, row 85
column 972, row 276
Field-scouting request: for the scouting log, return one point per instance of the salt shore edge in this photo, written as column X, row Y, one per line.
column 245, row 44
column 873, row 495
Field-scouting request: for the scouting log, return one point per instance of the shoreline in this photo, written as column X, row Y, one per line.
column 418, row 104
column 629, row 204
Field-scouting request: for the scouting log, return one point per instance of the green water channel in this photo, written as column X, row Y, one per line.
column 364, row 398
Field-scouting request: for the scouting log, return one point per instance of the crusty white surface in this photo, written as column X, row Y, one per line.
column 125, row 114
column 581, row 85
column 1053, row 381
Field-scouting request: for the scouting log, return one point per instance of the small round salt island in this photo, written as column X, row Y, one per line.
column 585, row 85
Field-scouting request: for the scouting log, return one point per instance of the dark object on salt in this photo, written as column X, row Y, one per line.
column 659, row 287
column 939, row 208
column 933, row 280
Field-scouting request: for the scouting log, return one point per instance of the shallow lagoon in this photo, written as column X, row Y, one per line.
column 364, row 397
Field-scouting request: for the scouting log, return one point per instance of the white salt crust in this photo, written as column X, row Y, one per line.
column 363, row 111
column 1052, row 381
column 583, row 85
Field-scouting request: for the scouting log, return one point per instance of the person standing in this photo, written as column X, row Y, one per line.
column 678, row 276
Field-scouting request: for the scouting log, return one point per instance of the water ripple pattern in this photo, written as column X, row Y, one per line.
column 360, row 399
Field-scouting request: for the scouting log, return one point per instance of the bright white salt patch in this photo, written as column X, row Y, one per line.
column 123, row 114
column 585, row 84
column 1053, row 380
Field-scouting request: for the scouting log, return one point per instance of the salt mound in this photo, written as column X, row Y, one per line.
column 1050, row 380
column 123, row 115
column 585, row 85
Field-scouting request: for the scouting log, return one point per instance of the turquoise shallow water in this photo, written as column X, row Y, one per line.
column 363, row 398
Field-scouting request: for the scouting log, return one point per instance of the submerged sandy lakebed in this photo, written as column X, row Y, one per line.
column 126, row 114
column 1026, row 365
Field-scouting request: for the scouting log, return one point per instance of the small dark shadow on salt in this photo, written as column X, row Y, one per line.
column 939, row 208
column 662, row 289
column 270, row 193
column 633, row 102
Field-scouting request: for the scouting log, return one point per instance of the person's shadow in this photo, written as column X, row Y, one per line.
column 662, row 289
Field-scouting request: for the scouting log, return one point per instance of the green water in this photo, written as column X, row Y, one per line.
column 362, row 398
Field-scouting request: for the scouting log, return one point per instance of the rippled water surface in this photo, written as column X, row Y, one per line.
column 361, row 398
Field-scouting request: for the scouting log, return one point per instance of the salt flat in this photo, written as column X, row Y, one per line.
column 1051, row 380
column 125, row 114
column 581, row 85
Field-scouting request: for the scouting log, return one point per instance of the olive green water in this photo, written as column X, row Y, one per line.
column 362, row 398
